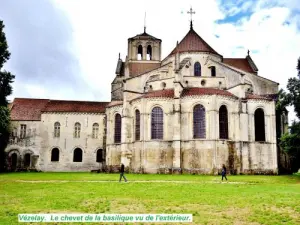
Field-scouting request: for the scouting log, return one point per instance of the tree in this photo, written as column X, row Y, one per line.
column 6, row 79
column 290, row 142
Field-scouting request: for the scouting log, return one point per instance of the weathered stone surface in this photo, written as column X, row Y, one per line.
column 178, row 151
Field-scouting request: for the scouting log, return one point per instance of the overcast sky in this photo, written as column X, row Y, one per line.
column 68, row 49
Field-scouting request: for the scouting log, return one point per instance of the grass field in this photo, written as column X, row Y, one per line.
column 241, row 200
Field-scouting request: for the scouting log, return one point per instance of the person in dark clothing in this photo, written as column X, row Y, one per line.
column 224, row 172
column 122, row 170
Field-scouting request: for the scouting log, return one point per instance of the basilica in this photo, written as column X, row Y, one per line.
column 191, row 112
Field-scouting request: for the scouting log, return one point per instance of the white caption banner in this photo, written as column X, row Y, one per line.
column 40, row 218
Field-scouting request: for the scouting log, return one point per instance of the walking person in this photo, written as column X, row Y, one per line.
column 224, row 172
column 122, row 173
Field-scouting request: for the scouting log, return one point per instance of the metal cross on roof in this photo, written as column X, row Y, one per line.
column 191, row 12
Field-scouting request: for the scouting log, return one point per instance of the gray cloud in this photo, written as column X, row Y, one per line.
column 39, row 36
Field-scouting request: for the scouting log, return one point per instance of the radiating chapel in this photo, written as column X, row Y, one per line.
column 190, row 112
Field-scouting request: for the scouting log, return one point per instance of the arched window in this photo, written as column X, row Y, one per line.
column 157, row 123
column 140, row 53
column 95, row 130
column 149, row 52
column 118, row 128
column 77, row 157
column 57, row 129
column 77, row 130
column 199, row 122
column 259, row 121
column 100, row 156
column 223, row 122
column 55, row 155
column 27, row 158
column 137, row 125
column 213, row 71
column 197, row 69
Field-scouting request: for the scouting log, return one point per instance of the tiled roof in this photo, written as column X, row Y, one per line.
column 167, row 93
column 239, row 63
column 27, row 109
column 258, row 97
column 75, row 106
column 31, row 109
column 140, row 68
column 192, row 42
column 114, row 103
column 205, row 91
column 144, row 36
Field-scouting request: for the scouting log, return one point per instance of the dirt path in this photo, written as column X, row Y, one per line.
column 135, row 181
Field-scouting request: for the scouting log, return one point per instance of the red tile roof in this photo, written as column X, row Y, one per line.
column 205, row 91
column 258, row 97
column 75, row 106
column 31, row 109
column 167, row 93
column 192, row 42
column 140, row 68
column 27, row 108
column 239, row 63
column 114, row 103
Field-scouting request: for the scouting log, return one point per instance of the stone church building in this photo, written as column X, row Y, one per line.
column 189, row 112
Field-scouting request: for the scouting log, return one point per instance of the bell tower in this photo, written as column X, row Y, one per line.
column 144, row 48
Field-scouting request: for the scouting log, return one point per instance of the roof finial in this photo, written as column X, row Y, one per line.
column 145, row 23
column 191, row 12
column 248, row 52
column 119, row 55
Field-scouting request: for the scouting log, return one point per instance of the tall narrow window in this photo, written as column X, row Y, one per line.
column 95, row 130
column 197, row 69
column 77, row 130
column 223, row 122
column 118, row 128
column 15, row 132
column 27, row 158
column 100, row 156
column 140, row 53
column 77, row 157
column 157, row 123
column 14, row 161
column 23, row 131
column 55, row 155
column 259, row 123
column 213, row 71
column 137, row 125
column 57, row 129
column 149, row 52
column 199, row 122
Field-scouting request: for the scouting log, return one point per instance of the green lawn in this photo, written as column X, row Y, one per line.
column 242, row 200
